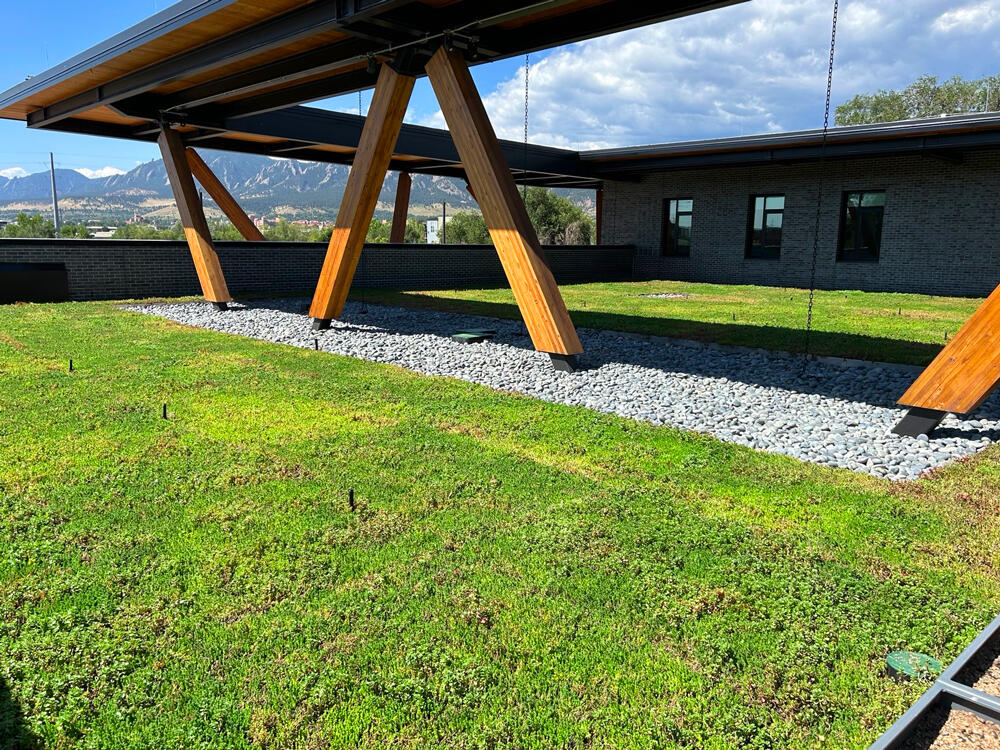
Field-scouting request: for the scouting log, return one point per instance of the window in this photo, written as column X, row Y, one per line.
column 861, row 226
column 676, row 238
column 764, row 231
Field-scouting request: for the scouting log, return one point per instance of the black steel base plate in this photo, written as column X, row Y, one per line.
column 919, row 421
column 321, row 324
column 564, row 362
column 221, row 306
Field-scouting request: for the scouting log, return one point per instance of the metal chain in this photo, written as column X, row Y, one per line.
column 524, row 171
column 822, row 174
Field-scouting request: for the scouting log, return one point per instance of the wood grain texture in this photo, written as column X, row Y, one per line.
column 516, row 241
column 378, row 139
column 223, row 198
column 967, row 370
column 199, row 239
column 401, row 209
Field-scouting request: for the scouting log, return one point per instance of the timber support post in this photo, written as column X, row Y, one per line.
column 378, row 139
column 961, row 377
column 223, row 198
column 516, row 241
column 400, row 209
column 199, row 238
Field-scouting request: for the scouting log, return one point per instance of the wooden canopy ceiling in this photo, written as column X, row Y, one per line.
column 215, row 67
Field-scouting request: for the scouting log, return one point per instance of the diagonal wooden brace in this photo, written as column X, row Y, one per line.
column 199, row 239
column 223, row 198
column 378, row 139
column 516, row 241
column 961, row 377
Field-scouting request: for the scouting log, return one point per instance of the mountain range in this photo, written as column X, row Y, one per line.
column 262, row 185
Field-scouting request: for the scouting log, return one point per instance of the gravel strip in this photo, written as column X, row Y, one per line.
column 811, row 410
column 954, row 729
column 983, row 672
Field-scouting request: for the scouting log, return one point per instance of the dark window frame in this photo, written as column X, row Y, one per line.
column 766, row 252
column 670, row 241
column 856, row 255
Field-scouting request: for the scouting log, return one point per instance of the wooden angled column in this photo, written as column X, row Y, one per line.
column 516, row 241
column 378, row 139
column 400, row 209
column 961, row 377
column 223, row 198
column 199, row 239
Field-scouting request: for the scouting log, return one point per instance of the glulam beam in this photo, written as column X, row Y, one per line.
column 514, row 237
column 223, row 198
column 378, row 139
column 199, row 239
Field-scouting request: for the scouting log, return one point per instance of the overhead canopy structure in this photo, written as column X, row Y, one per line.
column 229, row 74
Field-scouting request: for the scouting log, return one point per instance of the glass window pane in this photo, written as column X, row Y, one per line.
column 758, row 214
column 776, row 202
column 684, row 221
column 685, row 205
column 873, row 199
column 852, row 200
column 673, row 210
column 774, row 221
column 871, row 229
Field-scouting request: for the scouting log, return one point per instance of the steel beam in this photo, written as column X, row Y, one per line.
column 312, row 19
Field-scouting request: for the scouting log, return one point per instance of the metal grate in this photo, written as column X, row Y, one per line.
column 947, row 692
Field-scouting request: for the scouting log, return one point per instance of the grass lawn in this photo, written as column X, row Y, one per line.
column 906, row 328
column 514, row 574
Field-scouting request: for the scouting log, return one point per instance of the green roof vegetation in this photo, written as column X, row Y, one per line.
column 514, row 574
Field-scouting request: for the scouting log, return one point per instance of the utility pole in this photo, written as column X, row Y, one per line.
column 444, row 222
column 55, row 198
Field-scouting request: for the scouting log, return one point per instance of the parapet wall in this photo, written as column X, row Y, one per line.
column 136, row 269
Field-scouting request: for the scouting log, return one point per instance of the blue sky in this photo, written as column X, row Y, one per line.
column 755, row 67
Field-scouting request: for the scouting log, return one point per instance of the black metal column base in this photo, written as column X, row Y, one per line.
column 564, row 362
column 221, row 306
column 321, row 324
column 919, row 421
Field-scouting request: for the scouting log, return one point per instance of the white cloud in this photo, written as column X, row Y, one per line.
column 102, row 172
column 13, row 172
column 749, row 68
column 975, row 17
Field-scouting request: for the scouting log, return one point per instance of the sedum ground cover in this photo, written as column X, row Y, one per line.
column 884, row 327
column 513, row 573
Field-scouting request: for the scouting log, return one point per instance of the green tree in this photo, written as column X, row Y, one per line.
column 378, row 231
column 147, row 232
column 558, row 220
column 466, row 228
column 286, row 231
column 925, row 97
column 416, row 232
column 30, row 226
column 224, row 230
column 74, row 232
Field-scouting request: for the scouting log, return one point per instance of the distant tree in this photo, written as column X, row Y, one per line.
column 146, row 232
column 925, row 97
column 29, row 226
column 378, row 231
column 416, row 232
column 465, row 228
column 558, row 220
column 286, row 231
column 224, row 230
column 74, row 232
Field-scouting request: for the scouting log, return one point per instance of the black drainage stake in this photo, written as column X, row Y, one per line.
column 164, row 411
column 316, row 344
column 71, row 365
column 350, row 499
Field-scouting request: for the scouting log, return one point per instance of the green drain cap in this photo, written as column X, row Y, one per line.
column 908, row 664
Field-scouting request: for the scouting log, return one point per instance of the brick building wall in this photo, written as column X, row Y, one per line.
column 941, row 232
column 126, row 269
